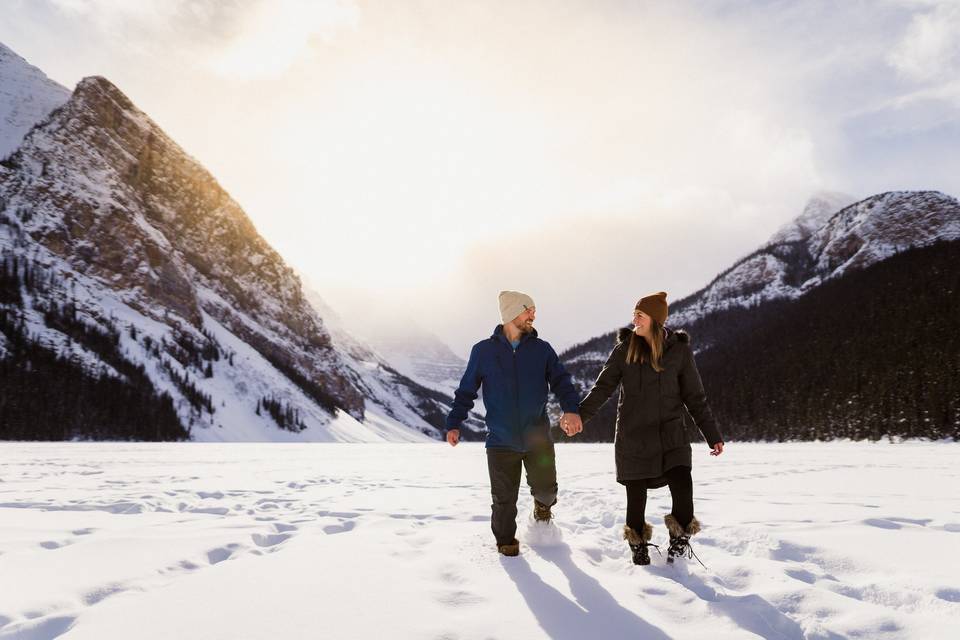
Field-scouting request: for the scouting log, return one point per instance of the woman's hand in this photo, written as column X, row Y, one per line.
column 571, row 424
column 717, row 449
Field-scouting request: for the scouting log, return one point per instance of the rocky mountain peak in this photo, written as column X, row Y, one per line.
column 821, row 244
column 103, row 189
column 882, row 225
column 819, row 208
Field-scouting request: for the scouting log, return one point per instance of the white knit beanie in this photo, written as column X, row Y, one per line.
column 512, row 304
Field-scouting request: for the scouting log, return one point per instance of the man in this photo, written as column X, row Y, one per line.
column 515, row 367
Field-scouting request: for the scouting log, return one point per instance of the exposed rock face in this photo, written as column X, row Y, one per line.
column 105, row 189
column 795, row 340
column 816, row 247
column 801, row 255
column 101, row 198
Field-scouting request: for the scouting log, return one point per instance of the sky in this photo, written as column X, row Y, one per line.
column 412, row 159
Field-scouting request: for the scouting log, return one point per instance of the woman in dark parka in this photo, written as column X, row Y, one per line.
column 660, row 390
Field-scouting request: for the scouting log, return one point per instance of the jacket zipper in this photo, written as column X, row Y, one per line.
column 516, row 385
column 660, row 418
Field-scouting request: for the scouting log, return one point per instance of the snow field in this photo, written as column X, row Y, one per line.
column 210, row 540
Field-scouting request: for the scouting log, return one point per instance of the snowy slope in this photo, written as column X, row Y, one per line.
column 393, row 388
column 878, row 227
column 410, row 350
column 822, row 243
column 27, row 96
column 819, row 208
column 144, row 241
column 423, row 357
column 815, row 248
column 815, row 540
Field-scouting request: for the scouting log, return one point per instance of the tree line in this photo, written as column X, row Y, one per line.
column 869, row 355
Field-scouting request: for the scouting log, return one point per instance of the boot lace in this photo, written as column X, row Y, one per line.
column 680, row 547
column 541, row 512
column 641, row 549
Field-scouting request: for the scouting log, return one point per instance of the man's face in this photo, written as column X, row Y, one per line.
column 524, row 321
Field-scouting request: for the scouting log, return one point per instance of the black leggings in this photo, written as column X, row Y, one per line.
column 681, row 491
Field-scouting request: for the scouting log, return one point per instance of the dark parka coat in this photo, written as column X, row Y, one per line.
column 654, row 409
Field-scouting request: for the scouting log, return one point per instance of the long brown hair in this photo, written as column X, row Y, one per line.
column 640, row 350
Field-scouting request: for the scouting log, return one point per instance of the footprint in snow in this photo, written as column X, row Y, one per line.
column 270, row 539
column 44, row 627
column 53, row 544
column 949, row 594
column 218, row 555
column 102, row 593
column 342, row 527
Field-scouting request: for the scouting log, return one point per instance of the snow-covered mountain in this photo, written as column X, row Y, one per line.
column 410, row 349
column 27, row 96
column 111, row 229
column 822, row 244
column 797, row 340
column 820, row 208
column 425, row 358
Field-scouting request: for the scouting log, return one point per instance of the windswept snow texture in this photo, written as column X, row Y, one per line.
column 217, row 541
column 27, row 96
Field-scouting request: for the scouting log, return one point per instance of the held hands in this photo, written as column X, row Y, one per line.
column 571, row 424
column 453, row 437
column 717, row 449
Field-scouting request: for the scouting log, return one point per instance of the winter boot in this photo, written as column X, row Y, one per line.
column 680, row 538
column 541, row 512
column 511, row 549
column 639, row 542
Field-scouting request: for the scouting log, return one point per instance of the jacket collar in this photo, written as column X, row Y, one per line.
column 623, row 335
column 499, row 335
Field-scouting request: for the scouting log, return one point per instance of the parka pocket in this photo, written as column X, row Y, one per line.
column 673, row 434
column 629, row 443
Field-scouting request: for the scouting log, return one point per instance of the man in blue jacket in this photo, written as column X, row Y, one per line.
column 515, row 368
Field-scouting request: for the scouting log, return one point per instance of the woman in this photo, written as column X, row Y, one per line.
column 659, row 389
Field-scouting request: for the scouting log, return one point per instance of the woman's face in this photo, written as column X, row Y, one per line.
column 641, row 323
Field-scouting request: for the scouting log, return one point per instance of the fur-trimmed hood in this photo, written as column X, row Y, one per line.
column 672, row 336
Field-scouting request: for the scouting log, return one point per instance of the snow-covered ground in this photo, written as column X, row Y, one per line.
column 194, row 540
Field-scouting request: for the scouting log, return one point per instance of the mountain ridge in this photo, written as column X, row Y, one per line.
column 99, row 195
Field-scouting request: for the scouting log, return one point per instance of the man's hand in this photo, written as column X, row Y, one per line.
column 717, row 449
column 571, row 424
column 453, row 437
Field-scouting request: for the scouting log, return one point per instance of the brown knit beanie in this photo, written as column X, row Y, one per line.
column 655, row 306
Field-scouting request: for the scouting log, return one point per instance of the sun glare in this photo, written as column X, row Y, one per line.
column 274, row 35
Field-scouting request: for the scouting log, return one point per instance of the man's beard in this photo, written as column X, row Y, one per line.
column 525, row 327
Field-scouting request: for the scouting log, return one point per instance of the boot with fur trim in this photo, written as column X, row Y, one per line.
column 511, row 549
column 680, row 537
column 639, row 541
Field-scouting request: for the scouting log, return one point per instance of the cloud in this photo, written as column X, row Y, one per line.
column 589, row 150
column 275, row 34
column 929, row 51
column 236, row 39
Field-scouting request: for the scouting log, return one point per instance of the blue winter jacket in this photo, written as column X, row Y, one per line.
column 514, row 390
